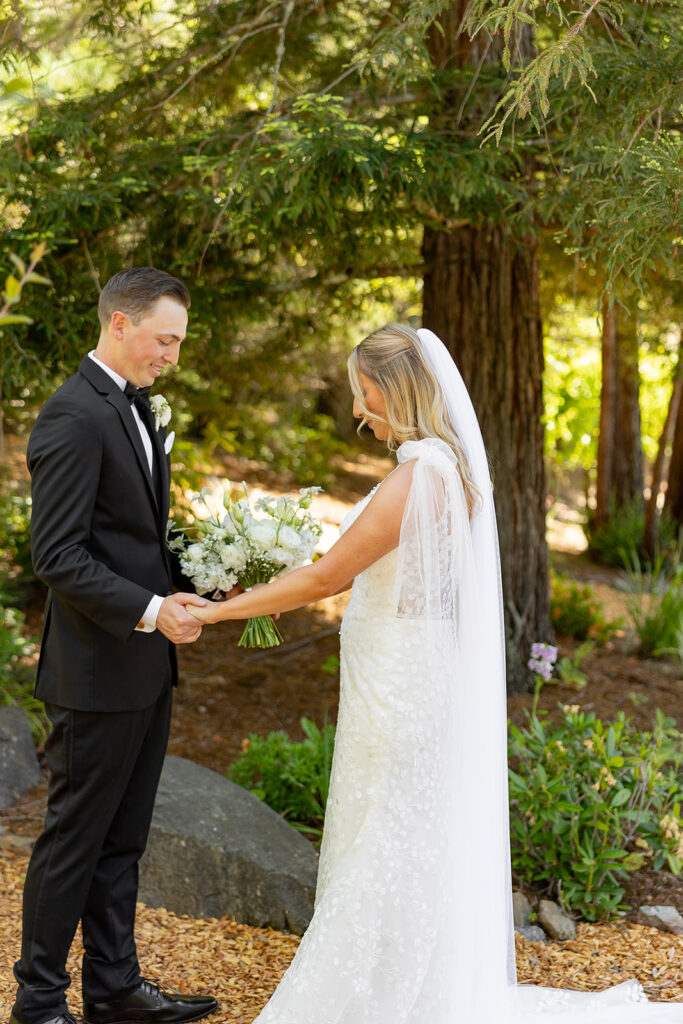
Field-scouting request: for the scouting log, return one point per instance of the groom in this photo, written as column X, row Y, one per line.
column 100, row 484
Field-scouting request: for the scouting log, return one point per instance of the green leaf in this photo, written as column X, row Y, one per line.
column 18, row 263
column 12, row 289
column 14, row 318
column 621, row 797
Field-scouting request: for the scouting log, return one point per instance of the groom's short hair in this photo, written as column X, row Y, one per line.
column 136, row 291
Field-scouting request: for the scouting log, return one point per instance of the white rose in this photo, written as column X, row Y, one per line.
column 262, row 535
column 281, row 557
column 233, row 556
column 289, row 538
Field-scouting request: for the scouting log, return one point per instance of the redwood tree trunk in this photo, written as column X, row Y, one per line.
column 481, row 298
column 674, row 491
column 650, row 539
column 620, row 454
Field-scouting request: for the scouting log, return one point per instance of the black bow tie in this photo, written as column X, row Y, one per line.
column 140, row 394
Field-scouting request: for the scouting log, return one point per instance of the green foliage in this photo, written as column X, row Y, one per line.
column 286, row 166
column 655, row 604
column 576, row 612
column 590, row 803
column 624, row 531
column 16, row 674
column 569, row 669
column 291, row 777
column 283, row 439
column 14, row 285
column 16, row 569
column 331, row 665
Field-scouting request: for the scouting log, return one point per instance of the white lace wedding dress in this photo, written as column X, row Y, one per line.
column 397, row 935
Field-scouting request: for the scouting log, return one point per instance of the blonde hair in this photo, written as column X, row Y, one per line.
column 393, row 358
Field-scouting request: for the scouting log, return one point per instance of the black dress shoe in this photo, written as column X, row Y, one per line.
column 147, row 1004
column 61, row 1018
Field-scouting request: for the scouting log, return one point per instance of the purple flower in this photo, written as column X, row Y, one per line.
column 541, row 668
column 544, row 652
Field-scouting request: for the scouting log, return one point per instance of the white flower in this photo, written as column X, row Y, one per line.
column 283, row 557
column 233, row 556
column 263, row 535
column 161, row 410
column 289, row 538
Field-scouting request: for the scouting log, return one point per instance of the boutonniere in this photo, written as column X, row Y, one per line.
column 161, row 410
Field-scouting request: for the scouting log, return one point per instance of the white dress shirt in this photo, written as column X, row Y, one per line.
column 148, row 622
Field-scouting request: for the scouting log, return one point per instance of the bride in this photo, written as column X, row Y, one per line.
column 413, row 915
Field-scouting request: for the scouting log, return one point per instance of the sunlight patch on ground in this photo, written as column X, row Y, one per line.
column 564, row 530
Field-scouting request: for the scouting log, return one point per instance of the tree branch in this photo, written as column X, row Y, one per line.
column 279, row 57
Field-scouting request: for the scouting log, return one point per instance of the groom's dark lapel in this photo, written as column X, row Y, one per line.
column 162, row 458
column 103, row 383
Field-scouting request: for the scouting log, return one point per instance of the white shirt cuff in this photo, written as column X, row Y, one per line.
column 148, row 622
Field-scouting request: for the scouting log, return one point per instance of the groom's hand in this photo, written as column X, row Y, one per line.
column 175, row 621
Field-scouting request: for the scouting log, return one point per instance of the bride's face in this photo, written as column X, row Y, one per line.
column 375, row 405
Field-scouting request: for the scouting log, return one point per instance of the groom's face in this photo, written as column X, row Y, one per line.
column 150, row 346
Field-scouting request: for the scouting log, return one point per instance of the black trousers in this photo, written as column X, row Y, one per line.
column 104, row 773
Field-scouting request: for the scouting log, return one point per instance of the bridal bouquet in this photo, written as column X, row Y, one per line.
column 241, row 546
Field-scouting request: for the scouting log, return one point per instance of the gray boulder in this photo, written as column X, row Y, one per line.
column 555, row 921
column 521, row 909
column 215, row 849
column 667, row 918
column 532, row 932
column 19, row 769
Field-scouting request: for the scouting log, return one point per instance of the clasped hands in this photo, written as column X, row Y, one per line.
column 181, row 616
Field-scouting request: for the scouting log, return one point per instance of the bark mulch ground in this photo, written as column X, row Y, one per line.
column 241, row 966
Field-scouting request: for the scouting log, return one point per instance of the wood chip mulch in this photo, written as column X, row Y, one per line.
column 241, row 966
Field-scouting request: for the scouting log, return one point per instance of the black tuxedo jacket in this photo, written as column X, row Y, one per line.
column 98, row 538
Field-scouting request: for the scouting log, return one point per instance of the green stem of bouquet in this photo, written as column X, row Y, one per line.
column 261, row 630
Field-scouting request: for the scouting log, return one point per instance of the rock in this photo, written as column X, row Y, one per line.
column 19, row 769
column 555, row 921
column 532, row 932
column 16, row 844
column 216, row 849
column 666, row 918
column 521, row 909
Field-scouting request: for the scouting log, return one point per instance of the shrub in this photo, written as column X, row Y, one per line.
column 291, row 777
column 625, row 531
column 576, row 612
column 16, row 674
column 590, row 803
column 16, row 569
column 655, row 604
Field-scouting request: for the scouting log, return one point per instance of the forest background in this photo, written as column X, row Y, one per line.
column 507, row 174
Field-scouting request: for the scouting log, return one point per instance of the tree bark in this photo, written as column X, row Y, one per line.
column 650, row 538
column 481, row 298
column 620, row 454
column 673, row 501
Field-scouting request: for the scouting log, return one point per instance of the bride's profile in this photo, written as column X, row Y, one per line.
column 413, row 917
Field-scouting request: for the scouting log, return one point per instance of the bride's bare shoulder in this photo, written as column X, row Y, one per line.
column 398, row 482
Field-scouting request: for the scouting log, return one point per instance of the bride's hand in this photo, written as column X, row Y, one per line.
column 213, row 611
column 208, row 613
